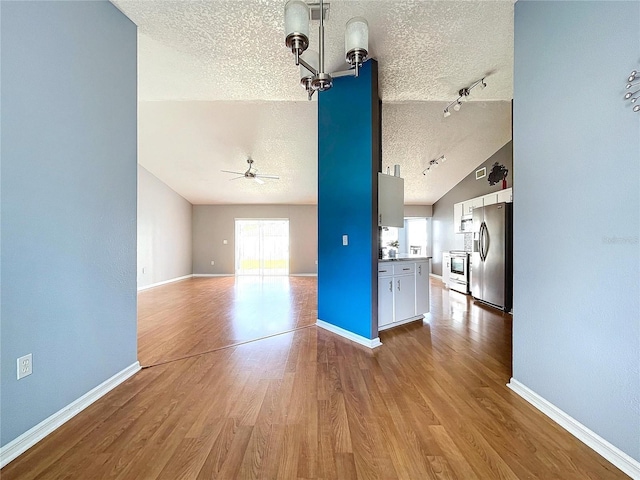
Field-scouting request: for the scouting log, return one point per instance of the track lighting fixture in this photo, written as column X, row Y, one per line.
column 463, row 93
column 634, row 83
column 313, row 78
column 434, row 163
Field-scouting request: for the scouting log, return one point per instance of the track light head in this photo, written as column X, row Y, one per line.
column 447, row 113
column 457, row 106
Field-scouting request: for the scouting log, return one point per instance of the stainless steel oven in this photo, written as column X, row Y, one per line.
column 459, row 271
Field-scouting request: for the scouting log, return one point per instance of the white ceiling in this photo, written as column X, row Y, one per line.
column 217, row 84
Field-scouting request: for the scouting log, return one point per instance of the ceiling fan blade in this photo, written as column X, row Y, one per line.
column 275, row 177
column 261, row 182
column 229, row 171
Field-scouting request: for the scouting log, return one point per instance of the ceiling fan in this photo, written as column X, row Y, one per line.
column 252, row 173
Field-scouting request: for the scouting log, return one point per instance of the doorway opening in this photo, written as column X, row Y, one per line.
column 262, row 246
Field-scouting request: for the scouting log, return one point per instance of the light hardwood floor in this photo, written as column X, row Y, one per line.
column 430, row 403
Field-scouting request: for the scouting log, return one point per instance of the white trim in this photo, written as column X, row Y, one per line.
column 28, row 439
column 303, row 274
column 367, row 342
column 401, row 322
column 177, row 279
column 610, row 452
column 439, row 277
column 214, row 275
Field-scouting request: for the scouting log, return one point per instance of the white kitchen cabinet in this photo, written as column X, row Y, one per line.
column 385, row 301
column 469, row 205
column 397, row 284
column 404, row 300
column 505, row 195
column 390, row 201
column 422, row 287
column 457, row 217
column 489, row 199
column 446, row 267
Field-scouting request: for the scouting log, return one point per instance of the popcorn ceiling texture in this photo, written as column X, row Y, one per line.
column 234, row 50
column 216, row 83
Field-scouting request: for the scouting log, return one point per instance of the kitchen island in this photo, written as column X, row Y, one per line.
column 403, row 289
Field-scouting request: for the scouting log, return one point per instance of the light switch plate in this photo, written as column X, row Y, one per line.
column 345, row 239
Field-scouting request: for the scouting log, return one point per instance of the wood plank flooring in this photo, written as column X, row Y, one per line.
column 431, row 403
column 203, row 314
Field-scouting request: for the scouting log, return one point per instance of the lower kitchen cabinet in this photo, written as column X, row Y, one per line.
column 422, row 287
column 385, row 301
column 403, row 292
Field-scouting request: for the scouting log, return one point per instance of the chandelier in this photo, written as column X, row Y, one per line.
column 313, row 77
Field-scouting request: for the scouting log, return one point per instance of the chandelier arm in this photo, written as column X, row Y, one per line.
column 344, row 73
column 308, row 66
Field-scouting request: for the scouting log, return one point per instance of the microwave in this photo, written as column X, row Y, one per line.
column 466, row 224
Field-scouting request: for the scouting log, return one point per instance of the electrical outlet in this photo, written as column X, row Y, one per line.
column 345, row 240
column 212, row 262
column 25, row 366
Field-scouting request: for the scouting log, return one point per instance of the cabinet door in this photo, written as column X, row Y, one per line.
column 490, row 199
column 469, row 205
column 405, row 297
column 505, row 195
column 390, row 201
column 422, row 287
column 457, row 217
column 446, row 268
column 385, row 301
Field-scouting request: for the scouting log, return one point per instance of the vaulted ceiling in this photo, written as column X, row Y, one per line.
column 217, row 84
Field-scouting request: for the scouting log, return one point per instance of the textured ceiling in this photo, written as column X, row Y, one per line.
column 226, row 62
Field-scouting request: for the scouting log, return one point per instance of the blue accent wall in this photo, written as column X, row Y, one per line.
column 348, row 162
column 576, row 160
column 68, row 188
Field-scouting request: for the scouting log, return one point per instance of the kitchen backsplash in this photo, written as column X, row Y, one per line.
column 468, row 242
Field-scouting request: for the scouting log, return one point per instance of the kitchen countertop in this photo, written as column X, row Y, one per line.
column 406, row 257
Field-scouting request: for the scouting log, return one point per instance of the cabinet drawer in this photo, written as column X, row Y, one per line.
column 385, row 269
column 404, row 268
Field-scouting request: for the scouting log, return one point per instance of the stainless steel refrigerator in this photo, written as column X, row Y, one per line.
column 491, row 259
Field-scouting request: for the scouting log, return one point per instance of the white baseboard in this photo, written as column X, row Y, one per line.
column 402, row 322
column 367, row 342
column 303, row 275
column 214, row 275
column 612, row 453
column 177, row 279
column 18, row 446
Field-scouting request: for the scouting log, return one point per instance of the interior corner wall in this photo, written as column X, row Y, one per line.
column 444, row 238
column 576, row 302
column 348, row 165
column 213, row 224
column 68, row 188
column 164, row 231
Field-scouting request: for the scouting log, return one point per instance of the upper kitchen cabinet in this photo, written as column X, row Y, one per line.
column 469, row 205
column 458, row 209
column 505, row 195
column 390, row 201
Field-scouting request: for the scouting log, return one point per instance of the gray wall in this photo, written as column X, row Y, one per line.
column 214, row 223
column 576, row 325
column 68, row 203
column 442, row 224
column 164, row 231
column 418, row 210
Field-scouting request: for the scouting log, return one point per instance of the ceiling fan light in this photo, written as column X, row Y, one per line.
column 356, row 39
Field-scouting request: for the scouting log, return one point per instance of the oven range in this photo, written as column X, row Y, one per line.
column 459, row 271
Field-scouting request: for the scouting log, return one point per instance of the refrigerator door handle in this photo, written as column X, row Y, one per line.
column 485, row 240
column 481, row 242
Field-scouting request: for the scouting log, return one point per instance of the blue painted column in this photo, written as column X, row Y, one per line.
column 348, row 164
